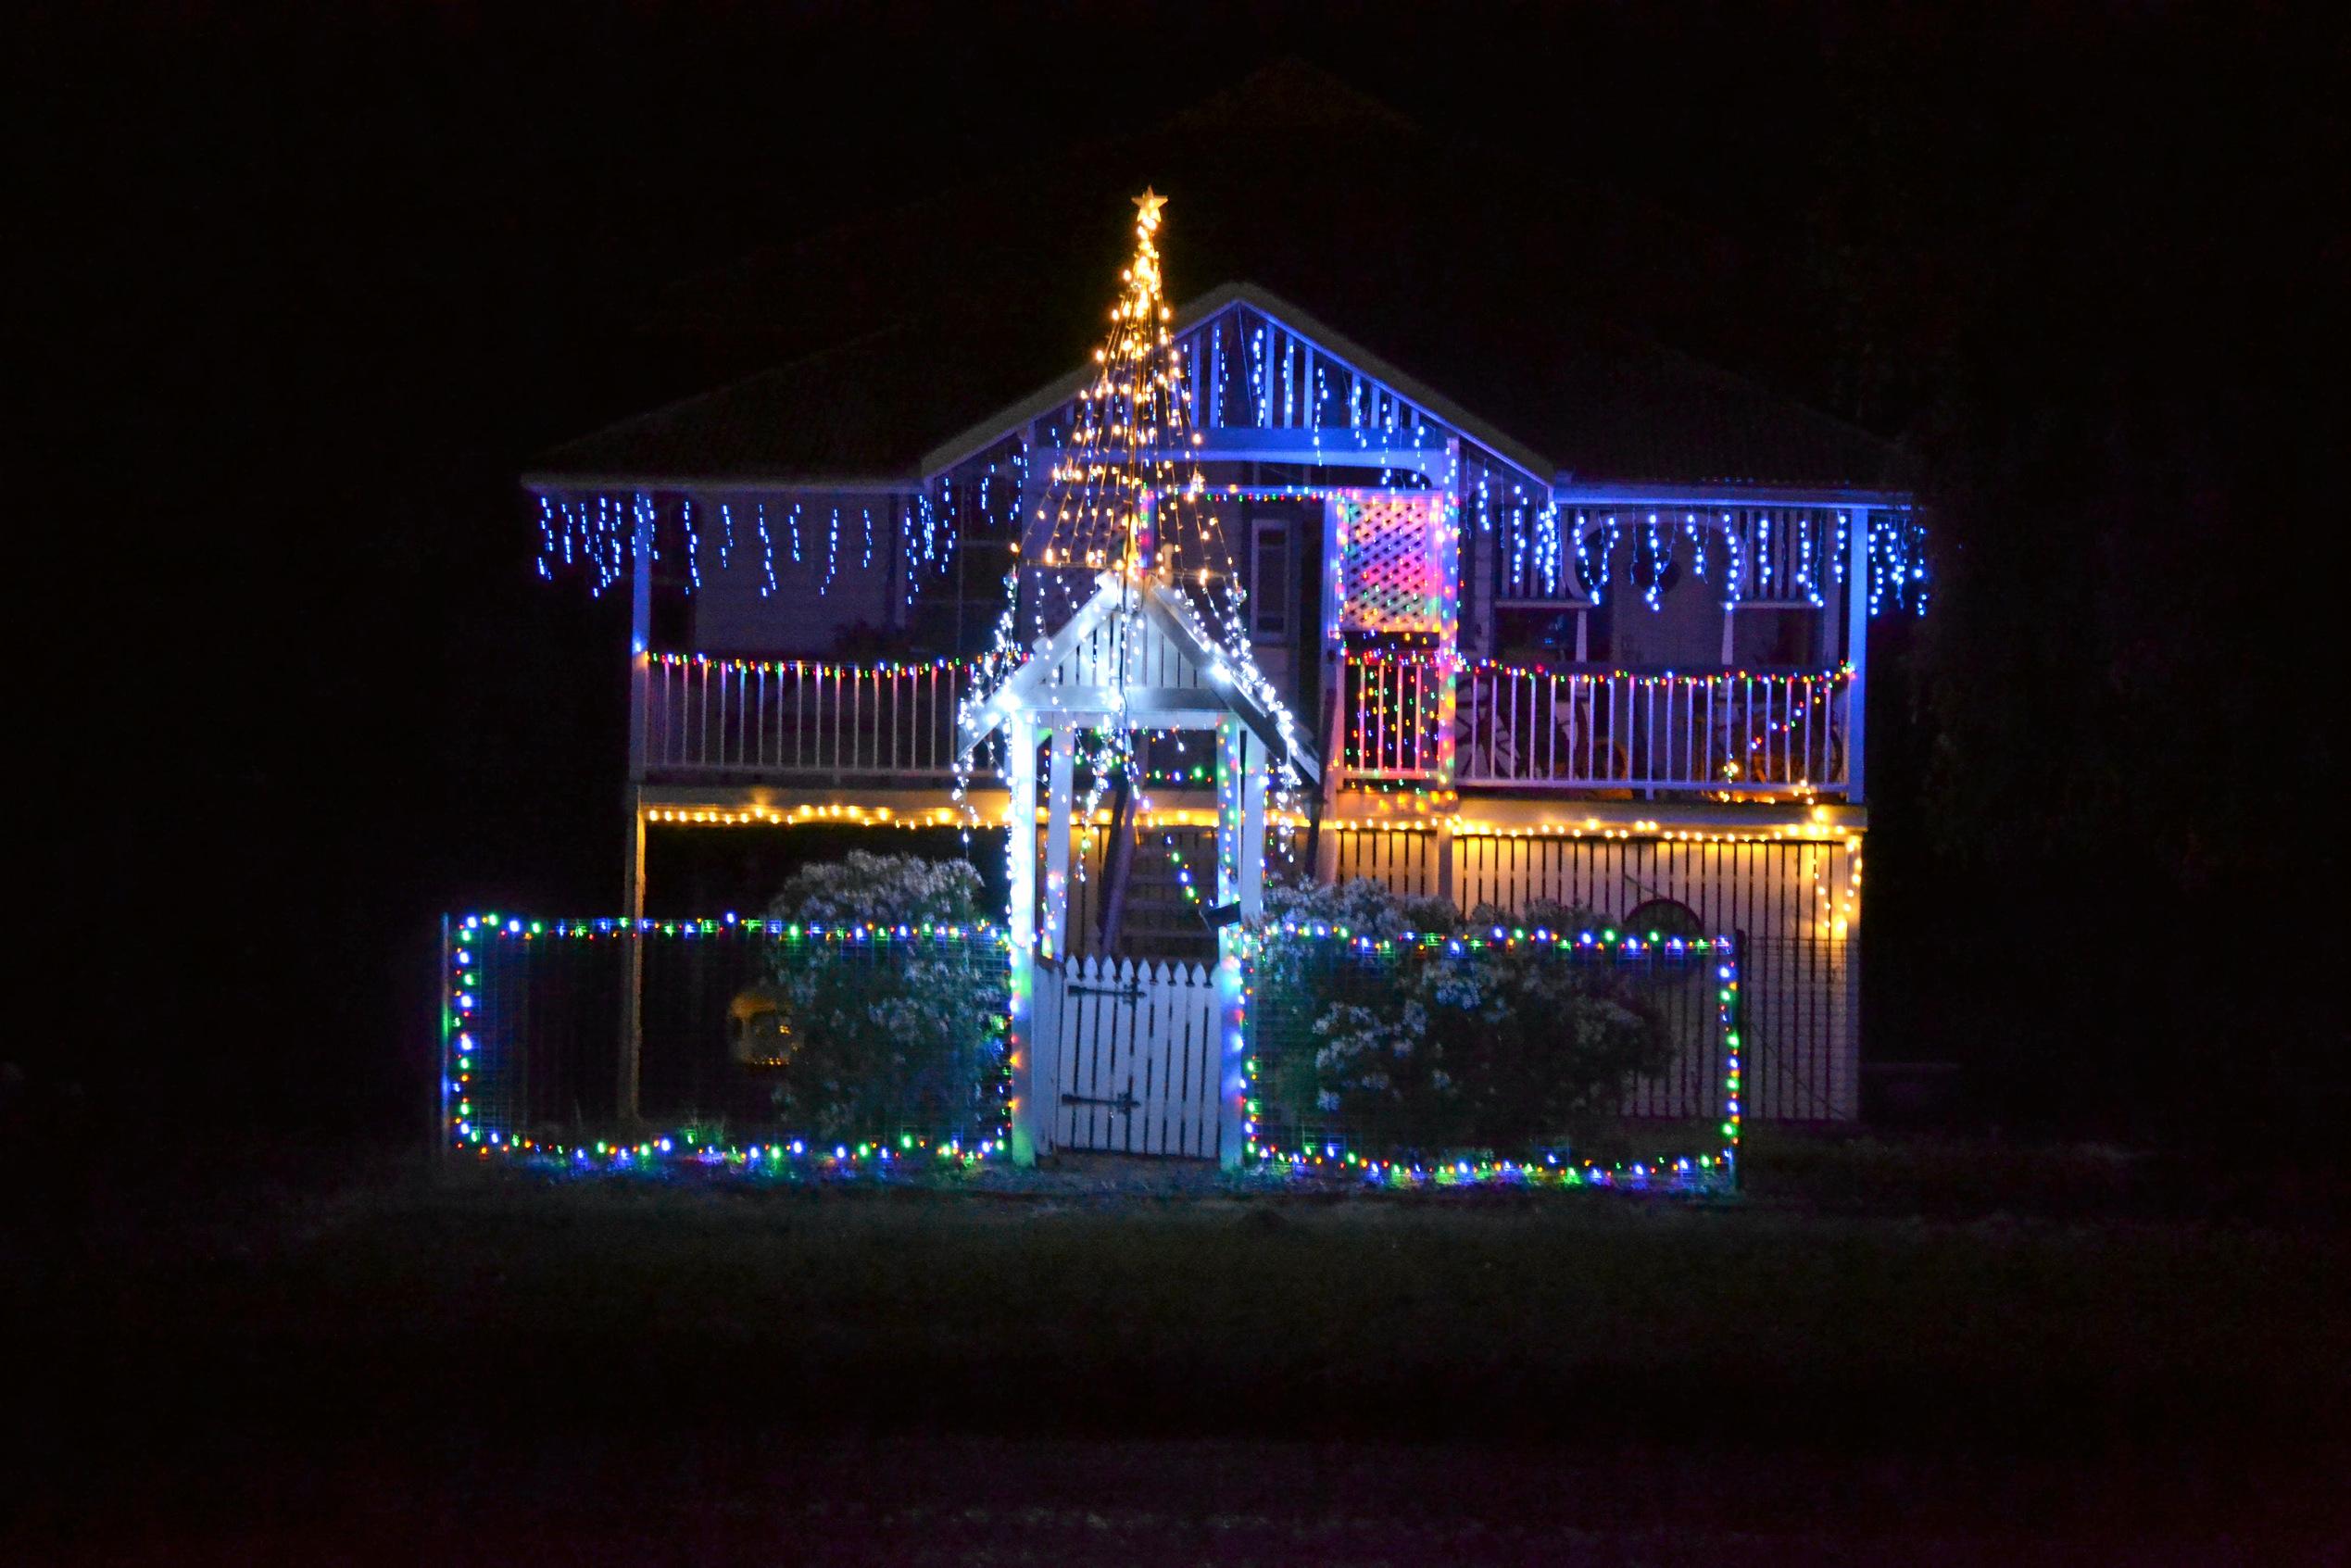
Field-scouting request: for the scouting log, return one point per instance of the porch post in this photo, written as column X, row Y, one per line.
column 1331, row 644
column 1447, row 523
column 627, row 1105
column 1059, row 827
column 1252, row 890
column 1233, row 792
column 1844, row 1083
column 1857, row 651
column 640, row 645
column 1029, row 1113
column 1447, row 671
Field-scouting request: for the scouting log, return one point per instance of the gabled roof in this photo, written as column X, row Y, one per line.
column 1519, row 306
column 1104, row 666
column 1054, row 394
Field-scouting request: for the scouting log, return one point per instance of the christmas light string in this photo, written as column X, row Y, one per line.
column 1767, row 555
column 1119, row 498
column 1713, row 1172
column 468, row 1054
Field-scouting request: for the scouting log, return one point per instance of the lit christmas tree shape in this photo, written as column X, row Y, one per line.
column 1126, row 513
column 1153, row 640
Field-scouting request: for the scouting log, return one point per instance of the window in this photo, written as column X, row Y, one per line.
column 1270, row 595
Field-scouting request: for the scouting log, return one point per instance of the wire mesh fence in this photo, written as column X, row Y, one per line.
column 1683, row 1098
column 538, row 1041
column 537, row 1035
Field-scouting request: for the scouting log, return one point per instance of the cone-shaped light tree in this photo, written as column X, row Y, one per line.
column 1126, row 495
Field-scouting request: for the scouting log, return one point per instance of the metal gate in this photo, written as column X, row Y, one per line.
column 1133, row 1055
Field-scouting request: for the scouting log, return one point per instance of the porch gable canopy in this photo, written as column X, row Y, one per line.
column 1136, row 655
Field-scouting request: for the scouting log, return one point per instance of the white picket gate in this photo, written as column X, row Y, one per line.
column 1133, row 1048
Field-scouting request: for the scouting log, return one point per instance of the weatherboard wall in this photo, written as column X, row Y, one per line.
column 1796, row 903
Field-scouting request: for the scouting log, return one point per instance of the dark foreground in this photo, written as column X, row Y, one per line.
column 501, row 1368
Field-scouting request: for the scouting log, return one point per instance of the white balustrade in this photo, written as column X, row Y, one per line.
column 1722, row 733
column 1760, row 732
column 741, row 717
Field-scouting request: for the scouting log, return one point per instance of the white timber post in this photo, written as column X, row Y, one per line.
column 1045, row 1032
column 1030, row 1114
column 1058, row 829
column 1233, row 790
column 1844, row 1092
column 1857, row 652
column 1446, row 523
column 640, row 644
column 626, row 1105
column 1335, row 714
column 1255, row 778
column 1448, row 666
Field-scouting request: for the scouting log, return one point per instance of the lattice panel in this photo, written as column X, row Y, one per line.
column 1394, row 575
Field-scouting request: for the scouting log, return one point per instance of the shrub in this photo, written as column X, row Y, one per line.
column 888, row 1036
column 1453, row 1046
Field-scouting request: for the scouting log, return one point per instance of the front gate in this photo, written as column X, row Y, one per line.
column 1134, row 1054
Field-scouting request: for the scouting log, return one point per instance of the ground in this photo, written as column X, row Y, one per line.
column 1879, row 1353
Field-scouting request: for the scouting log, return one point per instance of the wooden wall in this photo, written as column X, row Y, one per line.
column 1802, row 968
column 734, row 610
column 1796, row 904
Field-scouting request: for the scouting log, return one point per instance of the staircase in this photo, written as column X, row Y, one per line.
column 1159, row 918
column 1157, row 921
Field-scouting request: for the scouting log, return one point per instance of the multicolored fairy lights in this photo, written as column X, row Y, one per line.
column 479, row 1060
column 471, row 942
column 830, row 668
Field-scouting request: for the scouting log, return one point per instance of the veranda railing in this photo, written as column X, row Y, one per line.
column 1526, row 727
column 780, row 717
column 1769, row 731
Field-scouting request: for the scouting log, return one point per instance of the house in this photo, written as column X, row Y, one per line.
column 1584, row 621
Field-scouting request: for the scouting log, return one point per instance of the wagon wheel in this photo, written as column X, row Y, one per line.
column 1664, row 918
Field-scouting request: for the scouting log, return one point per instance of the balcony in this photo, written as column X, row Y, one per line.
column 1719, row 734
column 723, row 721
column 1762, row 734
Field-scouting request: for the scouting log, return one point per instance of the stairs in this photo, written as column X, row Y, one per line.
column 1156, row 920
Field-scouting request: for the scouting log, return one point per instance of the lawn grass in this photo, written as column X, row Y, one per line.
column 1556, row 1317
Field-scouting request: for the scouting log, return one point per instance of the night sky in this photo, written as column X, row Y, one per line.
column 299, row 297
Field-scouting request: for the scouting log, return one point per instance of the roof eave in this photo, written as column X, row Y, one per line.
column 742, row 484
column 1571, row 490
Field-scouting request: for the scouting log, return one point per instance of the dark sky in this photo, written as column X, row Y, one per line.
column 299, row 295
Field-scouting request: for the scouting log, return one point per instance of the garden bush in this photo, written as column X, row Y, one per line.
column 1450, row 1048
column 888, row 1036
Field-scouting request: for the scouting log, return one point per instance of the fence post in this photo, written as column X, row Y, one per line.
column 1735, row 1037
column 1031, row 1116
column 632, row 1032
column 441, row 1060
column 1233, row 797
